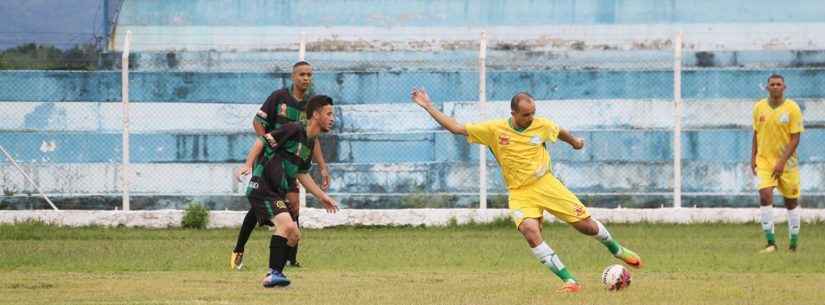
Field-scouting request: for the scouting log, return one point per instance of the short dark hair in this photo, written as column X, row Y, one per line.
column 517, row 98
column 300, row 63
column 776, row 76
column 316, row 102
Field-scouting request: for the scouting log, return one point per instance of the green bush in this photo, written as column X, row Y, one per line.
column 195, row 216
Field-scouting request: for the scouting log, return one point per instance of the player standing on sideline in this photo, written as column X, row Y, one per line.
column 518, row 145
column 280, row 157
column 777, row 124
column 281, row 107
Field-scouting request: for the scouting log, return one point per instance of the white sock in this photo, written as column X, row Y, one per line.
column 767, row 218
column 547, row 257
column 603, row 235
column 794, row 221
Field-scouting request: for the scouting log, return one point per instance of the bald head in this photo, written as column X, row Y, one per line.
column 518, row 98
column 523, row 109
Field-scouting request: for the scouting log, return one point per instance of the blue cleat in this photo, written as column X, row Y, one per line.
column 275, row 278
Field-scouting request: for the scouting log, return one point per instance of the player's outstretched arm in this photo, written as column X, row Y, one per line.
column 420, row 97
column 329, row 204
column 566, row 136
column 253, row 154
column 318, row 157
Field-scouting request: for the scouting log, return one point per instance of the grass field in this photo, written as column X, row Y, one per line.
column 476, row 264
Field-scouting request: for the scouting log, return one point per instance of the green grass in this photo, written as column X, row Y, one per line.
column 478, row 264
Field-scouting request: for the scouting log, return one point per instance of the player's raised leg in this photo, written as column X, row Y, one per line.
column 595, row 228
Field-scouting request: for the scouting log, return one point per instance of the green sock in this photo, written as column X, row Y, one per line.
column 549, row 259
column 770, row 237
column 563, row 274
column 794, row 240
column 612, row 245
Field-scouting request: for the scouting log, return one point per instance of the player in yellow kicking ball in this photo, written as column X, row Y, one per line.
column 777, row 124
column 518, row 145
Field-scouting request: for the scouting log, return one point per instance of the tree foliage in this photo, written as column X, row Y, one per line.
column 33, row 56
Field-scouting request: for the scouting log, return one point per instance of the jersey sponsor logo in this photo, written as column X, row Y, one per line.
column 761, row 119
column 282, row 111
column 280, row 204
column 504, row 139
column 535, row 140
column 784, row 119
column 579, row 210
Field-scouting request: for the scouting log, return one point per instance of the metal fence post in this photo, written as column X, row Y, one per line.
column 124, row 78
column 482, row 103
column 677, row 123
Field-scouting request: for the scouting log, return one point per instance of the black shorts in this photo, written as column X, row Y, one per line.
column 265, row 210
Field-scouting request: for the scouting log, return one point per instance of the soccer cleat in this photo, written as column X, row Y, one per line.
column 236, row 261
column 629, row 257
column 275, row 278
column 570, row 287
column 793, row 242
column 770, row 248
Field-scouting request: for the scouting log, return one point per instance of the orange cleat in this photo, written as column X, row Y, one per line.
column 571, row 287
column 629, row 257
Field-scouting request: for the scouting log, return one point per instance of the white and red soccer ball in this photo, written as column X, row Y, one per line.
column 616, row 277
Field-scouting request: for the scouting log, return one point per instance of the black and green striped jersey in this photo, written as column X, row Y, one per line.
column 281, row 108
column 287, row 152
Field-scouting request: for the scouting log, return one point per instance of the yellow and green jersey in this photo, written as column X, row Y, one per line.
column 520, row 153
column 773, row 127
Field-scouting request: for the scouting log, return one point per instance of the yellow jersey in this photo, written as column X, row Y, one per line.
column 773, row 127
column 521, row 154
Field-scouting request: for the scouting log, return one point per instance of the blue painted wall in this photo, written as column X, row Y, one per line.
column 359, row 78
column 393, row 87
column 459, row 13
column 629, row 145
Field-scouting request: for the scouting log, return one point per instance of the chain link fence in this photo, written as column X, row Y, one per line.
column 720, row 86
column 604, row 88
column 191, row 112
column 386, row 151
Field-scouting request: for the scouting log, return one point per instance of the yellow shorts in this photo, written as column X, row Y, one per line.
column 546, row 194
column 788, row 183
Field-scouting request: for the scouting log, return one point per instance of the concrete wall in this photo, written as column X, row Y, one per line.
column 342, row 25
column 600, row 68
column 459, row 13
column 188, row 150
column 318, row 218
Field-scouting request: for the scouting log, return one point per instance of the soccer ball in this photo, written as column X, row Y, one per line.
column 615, row 277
